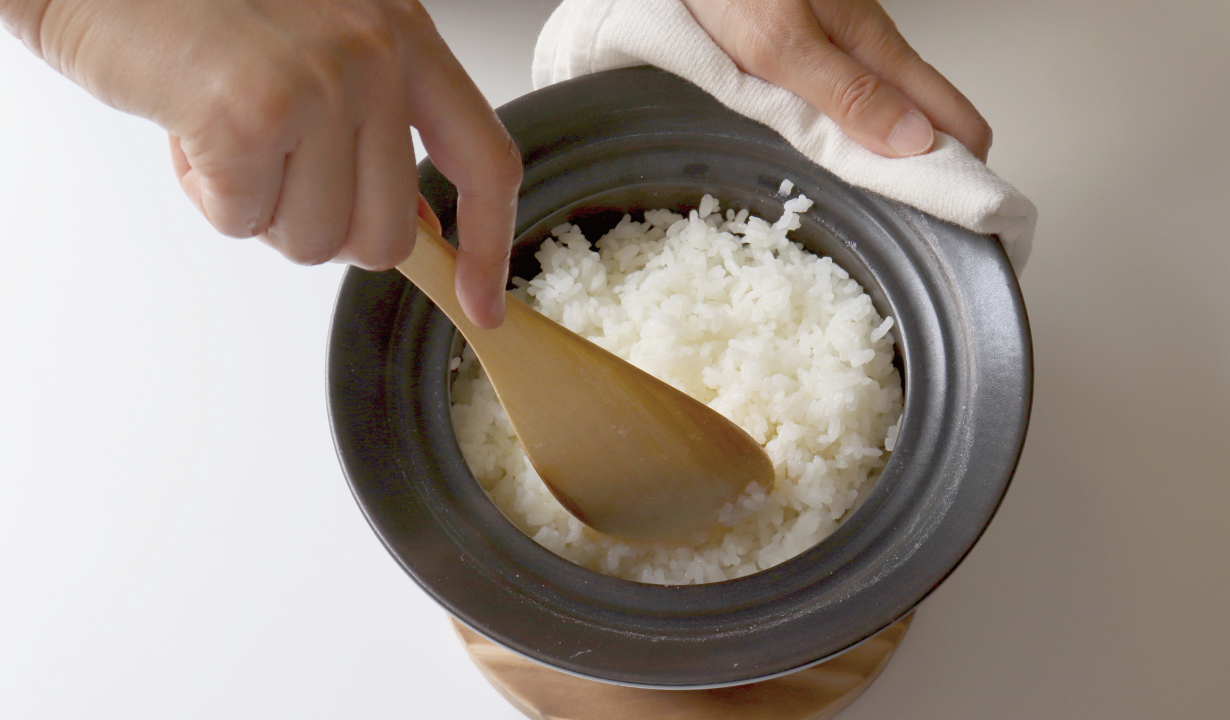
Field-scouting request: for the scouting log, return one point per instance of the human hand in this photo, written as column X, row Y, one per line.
column 291, row 121
column 847, row 59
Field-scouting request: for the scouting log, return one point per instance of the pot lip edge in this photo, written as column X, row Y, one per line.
column 1028, row 404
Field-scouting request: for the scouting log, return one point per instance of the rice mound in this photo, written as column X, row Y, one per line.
column 727, row 309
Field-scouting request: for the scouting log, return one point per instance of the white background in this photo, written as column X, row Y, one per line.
column 177, row 540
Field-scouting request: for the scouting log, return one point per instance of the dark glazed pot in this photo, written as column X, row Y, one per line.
column 639, row 138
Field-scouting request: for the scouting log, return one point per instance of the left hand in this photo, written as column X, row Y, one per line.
column 847, row 59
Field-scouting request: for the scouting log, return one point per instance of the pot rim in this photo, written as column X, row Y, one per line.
column 962, row 333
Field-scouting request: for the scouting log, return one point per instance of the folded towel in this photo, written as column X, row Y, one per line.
column 588, row 36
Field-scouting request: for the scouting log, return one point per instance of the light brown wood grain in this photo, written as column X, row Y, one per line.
column 816, row 693
column 626, row 453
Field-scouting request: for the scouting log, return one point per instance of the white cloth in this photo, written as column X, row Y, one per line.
column 588, row 36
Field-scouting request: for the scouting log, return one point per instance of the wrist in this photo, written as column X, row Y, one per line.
column 24, row 18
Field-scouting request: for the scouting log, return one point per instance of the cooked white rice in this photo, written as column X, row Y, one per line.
column 730, row 311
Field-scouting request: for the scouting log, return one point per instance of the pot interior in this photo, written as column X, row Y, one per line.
column 600, row 212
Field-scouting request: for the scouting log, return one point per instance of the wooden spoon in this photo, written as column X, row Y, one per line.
column 624, row 452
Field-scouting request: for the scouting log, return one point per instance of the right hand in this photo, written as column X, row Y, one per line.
column 846, row 58
column 291, row 121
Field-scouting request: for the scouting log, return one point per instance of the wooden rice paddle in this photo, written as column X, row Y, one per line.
column 626, row 453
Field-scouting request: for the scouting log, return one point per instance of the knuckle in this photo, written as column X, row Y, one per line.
column 232, row 230
column 255, row 109
column 371, row 39
column 231, row 206
column 855, row 24
column 236, row 227
column 893, row 51
column 384, row 256
column 220, row 190
column 306, row 253
column 761, row 56
column 258, row 97
column 489, row 256
column 856, row 98
column 360, row 50
column 981, row 135
column 321, row 79
column 771, row 37
column 380, row 245
column 273, row 99
column 763, row 48
column 875, row 29
column 507, row 170
column 411, row 18
column 413, row 11
column 495, row 169
column 313, row 257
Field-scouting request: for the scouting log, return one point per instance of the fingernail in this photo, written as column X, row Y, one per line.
column 497, row 310
column 497, row 305
column 912, row 136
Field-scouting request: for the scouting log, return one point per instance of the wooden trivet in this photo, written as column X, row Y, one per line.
column 817, row 693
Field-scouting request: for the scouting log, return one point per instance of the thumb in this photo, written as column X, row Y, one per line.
column 871, row 111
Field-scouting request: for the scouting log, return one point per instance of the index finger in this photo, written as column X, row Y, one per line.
column 470, row 146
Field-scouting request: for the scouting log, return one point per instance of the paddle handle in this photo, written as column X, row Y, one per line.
column 431, row 267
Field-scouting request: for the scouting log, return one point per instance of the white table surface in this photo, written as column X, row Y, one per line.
column 177, row 539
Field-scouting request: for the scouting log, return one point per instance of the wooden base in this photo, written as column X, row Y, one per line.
column 817, row 693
